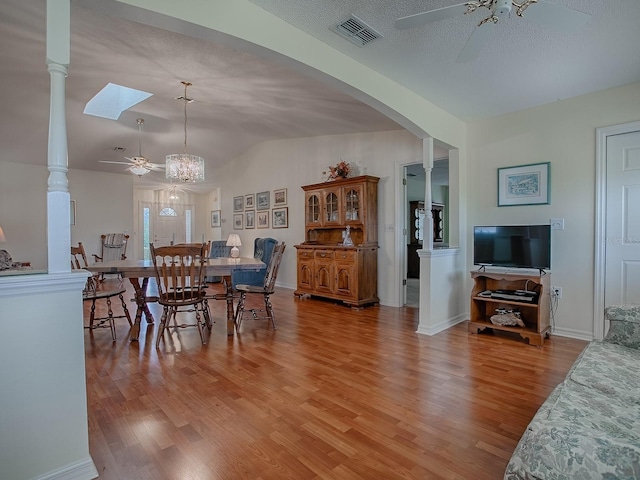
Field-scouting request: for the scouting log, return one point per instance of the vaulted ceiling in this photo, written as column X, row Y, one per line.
column 241, row 100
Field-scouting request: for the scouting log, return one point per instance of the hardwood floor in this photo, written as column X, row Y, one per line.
column 333, row 393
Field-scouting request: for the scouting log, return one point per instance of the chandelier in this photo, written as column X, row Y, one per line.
column 183, row 167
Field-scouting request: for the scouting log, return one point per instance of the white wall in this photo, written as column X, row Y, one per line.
column 23, row 212
column 562, row 133
column 293, row 163
column 103, row 205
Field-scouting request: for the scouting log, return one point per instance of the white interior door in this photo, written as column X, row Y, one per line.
column 168, row 224
column 622, row 239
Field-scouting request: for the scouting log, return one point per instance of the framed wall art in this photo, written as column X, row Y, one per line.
column 215, row 218
column 249, row 201
column 237, row 221
column 263, row 219
column 262, row 201
column 280, row 217
column 250, row 219
column 524, row 185
column 238, row 203
column 280, row 197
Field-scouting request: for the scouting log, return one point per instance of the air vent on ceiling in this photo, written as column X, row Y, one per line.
column 356, row 31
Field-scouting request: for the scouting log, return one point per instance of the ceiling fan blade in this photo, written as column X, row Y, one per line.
column 476, row 42
column 155, row 166
column 119, row 163
column 557, row 17
column 423, row 18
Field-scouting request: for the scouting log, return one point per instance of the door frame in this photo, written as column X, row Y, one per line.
column 601, row 221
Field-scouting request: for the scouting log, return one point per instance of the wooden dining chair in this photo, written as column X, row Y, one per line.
column 180, row 277
column 266, row 290
column 95, row 290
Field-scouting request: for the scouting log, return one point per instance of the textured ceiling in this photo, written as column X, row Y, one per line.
column 523, row 65
column 242, row 100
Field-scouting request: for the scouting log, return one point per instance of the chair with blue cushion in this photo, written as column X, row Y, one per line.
column 262, row 250
column 218, row 249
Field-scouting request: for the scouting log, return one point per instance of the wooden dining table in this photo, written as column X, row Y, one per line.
column 136, row 270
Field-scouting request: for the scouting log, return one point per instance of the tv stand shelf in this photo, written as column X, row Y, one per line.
column 535, row 315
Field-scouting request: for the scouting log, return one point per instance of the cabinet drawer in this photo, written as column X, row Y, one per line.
column 305, row 254
column 345, row 255
column 324, row 254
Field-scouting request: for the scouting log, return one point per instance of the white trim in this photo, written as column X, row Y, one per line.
column 439, row 252
column 571, row 333
column 442, row 326
column 82, row 470
column 600, row 221
column 43, row 283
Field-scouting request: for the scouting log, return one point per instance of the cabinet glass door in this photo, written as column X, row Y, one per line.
column 331, row 208
column 353, row 198
column 313, row 209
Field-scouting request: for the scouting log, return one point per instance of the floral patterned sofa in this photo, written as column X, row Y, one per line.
column 589, row 427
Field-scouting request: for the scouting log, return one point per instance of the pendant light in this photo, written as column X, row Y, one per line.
column 184, row 167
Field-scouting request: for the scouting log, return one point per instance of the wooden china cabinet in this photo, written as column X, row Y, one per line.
column 326, row 267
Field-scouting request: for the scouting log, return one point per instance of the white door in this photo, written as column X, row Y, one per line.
column 168, row 225
column 622, row 236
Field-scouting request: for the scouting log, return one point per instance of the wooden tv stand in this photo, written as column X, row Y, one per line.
column 535, row 315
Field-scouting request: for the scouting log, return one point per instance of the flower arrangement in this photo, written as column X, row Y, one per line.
column 341, row 170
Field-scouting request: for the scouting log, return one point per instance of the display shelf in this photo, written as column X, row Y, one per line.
column 535, row 315
column 326, row 268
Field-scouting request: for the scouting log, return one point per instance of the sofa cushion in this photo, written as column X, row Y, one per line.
column 589, row 427
column 611, row 369
column 624, row 325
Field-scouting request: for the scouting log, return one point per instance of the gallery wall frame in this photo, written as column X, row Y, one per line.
column 280, row 197
column 262, row 201
column 238, row 223
column 262, row 219
column 250, row 219
column 524, row 185
column 280, row 217
column 249, row 201
column 72, row 206
column 215, row 218
column 238, row 203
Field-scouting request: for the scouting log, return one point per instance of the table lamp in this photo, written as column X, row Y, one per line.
column 234, row 242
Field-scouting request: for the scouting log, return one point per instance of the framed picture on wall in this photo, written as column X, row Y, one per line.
column 263, row 220
column 238, row 203
column 250, row 219
column 262, row 201
column 237, row 221
column 249, row 201
column 215, row 218
column 280, row 217
column 524, row 185
column 280, row 197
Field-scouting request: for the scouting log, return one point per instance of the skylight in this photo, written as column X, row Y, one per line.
column 114, row 99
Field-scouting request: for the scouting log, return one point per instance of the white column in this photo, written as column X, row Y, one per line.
column 58, row 200
column 427, row 163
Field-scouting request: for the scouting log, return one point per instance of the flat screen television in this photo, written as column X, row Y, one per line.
column 513, row 246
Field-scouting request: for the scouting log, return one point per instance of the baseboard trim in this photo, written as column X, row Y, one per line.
column 82, row 470
column 570, row 333
column 442, row 326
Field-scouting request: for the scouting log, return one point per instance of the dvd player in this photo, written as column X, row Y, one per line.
column 515, row 295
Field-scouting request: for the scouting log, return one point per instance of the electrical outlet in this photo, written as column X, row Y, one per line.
column 556, row 292
column 557, row 223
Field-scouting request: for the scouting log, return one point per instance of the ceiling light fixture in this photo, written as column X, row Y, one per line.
column 140, row 164
column 184, row 167
column 173, row 194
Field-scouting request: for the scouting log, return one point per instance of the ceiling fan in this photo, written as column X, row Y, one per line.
column 138, row 165
column 548, row 14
